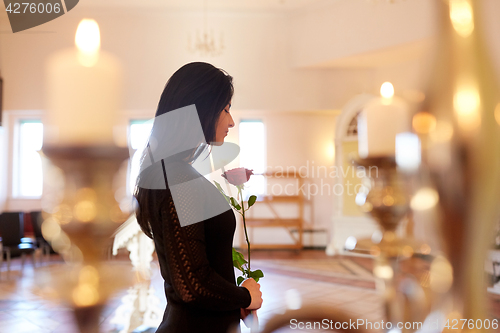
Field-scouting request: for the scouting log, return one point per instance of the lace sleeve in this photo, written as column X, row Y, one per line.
column 192, row 278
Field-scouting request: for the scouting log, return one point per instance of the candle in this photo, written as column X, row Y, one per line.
column 408, row 152
column 379, row 123
column 83, row 92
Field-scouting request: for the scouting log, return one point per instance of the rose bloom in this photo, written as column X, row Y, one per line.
column 237, row 176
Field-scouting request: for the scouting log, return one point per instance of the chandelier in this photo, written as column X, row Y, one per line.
column 205, row 42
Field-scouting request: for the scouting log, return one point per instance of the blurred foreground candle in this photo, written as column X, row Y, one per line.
column 83, row 92
column 379, row 123
column 408, row 152
column 463, row 156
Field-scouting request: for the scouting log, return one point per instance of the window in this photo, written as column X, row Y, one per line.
column 28, row 177
column 139, row 132
column 253, row 154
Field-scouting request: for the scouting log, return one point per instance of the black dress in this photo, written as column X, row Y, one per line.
column 196, row 264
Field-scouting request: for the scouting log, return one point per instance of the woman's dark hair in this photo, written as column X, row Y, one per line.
column 202, row 84
column 210, row 89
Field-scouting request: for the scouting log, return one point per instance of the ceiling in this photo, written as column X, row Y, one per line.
column 271, row 5
column 382, row 57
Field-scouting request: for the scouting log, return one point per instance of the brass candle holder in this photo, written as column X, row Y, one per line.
column 388, row 202
column 405, row 299
column 462, row 154
column 88, row 214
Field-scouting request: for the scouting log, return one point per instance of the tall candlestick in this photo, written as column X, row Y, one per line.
column 83, row 92
column 379, row 123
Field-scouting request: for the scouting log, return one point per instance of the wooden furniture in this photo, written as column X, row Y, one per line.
column 294, row 226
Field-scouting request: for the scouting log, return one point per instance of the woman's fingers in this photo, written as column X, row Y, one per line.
column 255, row 293
column 245, row 313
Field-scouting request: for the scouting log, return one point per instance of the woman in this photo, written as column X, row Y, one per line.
column 193, row 240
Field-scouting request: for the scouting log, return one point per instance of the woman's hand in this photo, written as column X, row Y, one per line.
column 250, row 319
column 255, row 293
column 244, row 313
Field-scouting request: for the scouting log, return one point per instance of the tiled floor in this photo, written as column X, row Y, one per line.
column 22, row 310
column 281, row 292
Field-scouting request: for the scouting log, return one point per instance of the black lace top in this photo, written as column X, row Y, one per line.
column 196, row 264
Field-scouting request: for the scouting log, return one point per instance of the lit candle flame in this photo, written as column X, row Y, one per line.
column 462, row 17
column 425, row 198
column 88, row 42
column 466, row 102
column 387, row 90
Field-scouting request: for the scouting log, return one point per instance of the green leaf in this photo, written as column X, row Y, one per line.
column 239, row 280
column 219, row 187
column 235, row 204
column 239, row 257
column 239, row 260
column 222, row 191
column 251, row 200
column 237, row 265
column 256, row 275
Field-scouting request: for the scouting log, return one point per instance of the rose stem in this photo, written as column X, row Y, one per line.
column 245, row 227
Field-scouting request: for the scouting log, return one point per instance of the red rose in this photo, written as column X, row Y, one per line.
column 237, row 176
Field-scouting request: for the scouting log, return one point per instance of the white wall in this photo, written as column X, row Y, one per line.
column 152, row 44
column 276, row 58
column 341, row 29
column 301, row 141
column 280, row 60
column 305, row 140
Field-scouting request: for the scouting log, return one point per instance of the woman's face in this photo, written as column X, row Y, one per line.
column 224, row 123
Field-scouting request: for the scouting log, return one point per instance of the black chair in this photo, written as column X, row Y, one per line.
column 11, row 230
column 41, row 243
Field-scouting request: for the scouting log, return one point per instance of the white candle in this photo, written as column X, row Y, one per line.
column 83, row 92
column 379, row 123
column 408, row 152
